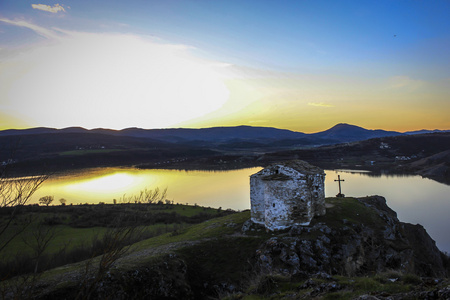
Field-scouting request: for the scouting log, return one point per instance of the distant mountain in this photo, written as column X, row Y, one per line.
column 214, row 134
column 350, row 133
column 42, row 130
column 247, row 136
column 49, row 149
column 37, row 130
column 424, row 131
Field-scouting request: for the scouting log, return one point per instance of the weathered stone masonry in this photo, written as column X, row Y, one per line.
column 287, row 194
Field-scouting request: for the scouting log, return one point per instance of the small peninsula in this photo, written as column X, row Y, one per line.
column 358, row 249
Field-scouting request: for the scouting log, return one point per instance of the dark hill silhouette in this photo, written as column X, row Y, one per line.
column 422, row 131
column 348, row 133
column 240, row 134
column 342, row 146
column 213, row 134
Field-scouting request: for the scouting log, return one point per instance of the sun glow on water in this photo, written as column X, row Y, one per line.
column 416, row 200
column 228, row 189
column 107, row 183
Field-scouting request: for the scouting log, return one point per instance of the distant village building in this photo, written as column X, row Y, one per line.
column 402, row 158
column 287, row 194
column 384, row 146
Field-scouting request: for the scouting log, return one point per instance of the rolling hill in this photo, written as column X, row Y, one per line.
column 343, row 145
column 337, row 134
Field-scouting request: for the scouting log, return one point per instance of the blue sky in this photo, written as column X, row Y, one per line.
column 302, row 65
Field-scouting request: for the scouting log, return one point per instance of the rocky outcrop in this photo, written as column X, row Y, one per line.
column 357, row 237
column 353, row 248
column 320, row 285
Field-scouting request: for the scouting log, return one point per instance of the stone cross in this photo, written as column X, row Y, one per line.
column 339, row 181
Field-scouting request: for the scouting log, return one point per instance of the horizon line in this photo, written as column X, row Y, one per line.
column 199, row 128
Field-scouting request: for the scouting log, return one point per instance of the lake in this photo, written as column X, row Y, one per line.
column 415, row 199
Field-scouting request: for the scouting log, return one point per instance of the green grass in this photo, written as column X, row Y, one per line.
column 189, row 210
column 276, row 287
column 341, row 295
column 348, row 208
column 215, row 251
column 355, row 286
column 352, row 210
column 63, row 235
column 209, row 229
column 71, row 238
column 225, row 259
column 75, row 229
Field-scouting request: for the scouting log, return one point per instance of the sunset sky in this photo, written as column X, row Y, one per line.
column 302, row 65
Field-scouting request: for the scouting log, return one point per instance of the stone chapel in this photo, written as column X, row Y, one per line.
column 287, row 194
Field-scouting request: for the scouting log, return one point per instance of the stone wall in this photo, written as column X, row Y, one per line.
column 283, row 195
column 287, row 203
column 257, row 202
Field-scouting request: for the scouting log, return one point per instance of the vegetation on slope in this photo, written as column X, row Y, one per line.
column 77, row 232
column 216, row 259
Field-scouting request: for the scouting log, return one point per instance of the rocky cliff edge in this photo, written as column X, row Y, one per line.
column 356, row 237
column 357, row 250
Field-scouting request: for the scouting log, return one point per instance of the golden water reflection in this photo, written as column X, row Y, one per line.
column 226, row 189
column 415, row 199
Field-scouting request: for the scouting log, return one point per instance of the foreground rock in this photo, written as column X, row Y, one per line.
column 357, row 250
column 369, row 240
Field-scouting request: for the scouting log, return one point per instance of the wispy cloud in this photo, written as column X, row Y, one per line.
column 49, row 34
column 320, row 104
column 405, row 82
column 53, row 9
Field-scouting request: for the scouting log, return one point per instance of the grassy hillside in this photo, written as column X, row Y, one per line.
column 216, row 259
column 75, row 233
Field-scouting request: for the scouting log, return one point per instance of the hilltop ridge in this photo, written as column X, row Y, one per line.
column 38, row 150
column 357, row 248
column 341, row 132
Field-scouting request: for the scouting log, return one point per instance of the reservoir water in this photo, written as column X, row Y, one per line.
column 415, row 199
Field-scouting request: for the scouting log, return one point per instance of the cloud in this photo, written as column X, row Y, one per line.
column 320, row 104
column 49, row 34
column 53, row 9
column 405, row 82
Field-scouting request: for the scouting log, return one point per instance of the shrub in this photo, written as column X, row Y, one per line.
column 46, row 200
column 411, row 279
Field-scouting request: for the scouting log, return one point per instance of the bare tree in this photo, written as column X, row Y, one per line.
column 46, row 200
column 146, row 196
column 38, row 240
column 63, row 201
column 155, row 195
column 115, row 243
column 23, row 286
column 15, row 193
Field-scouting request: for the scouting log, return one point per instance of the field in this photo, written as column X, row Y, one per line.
column 57, row 235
